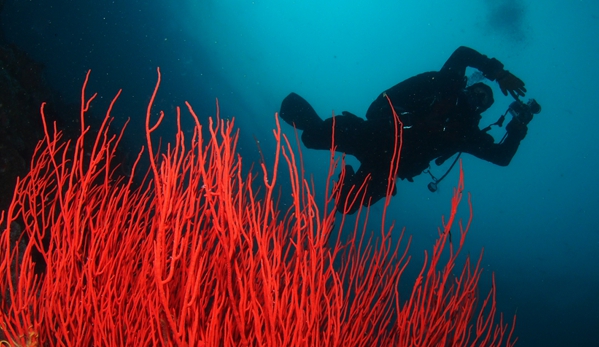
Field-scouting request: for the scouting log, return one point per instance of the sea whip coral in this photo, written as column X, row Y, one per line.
column 198, row 255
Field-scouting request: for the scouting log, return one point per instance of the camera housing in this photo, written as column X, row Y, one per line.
column 523, row 112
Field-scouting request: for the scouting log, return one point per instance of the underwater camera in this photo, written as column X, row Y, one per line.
column 523, row 112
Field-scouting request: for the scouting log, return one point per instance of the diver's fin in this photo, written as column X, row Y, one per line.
column 297, row 111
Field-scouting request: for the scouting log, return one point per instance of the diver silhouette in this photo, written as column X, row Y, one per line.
column 440, row 114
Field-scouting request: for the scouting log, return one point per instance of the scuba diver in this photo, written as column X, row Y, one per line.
column 440, row 114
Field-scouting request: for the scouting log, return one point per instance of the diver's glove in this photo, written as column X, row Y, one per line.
column 516, row 129
column 510, row 83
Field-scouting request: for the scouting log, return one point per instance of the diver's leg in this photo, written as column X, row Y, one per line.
column 373, row 180
column 296, row 111
column 350, row 134
column 352, row 191
column 349, row 129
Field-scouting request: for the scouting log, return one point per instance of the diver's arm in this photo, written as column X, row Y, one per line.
column 464, row 57
column 491, row 68
column 483, row 146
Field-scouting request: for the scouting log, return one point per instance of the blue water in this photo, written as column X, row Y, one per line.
column 536, row 218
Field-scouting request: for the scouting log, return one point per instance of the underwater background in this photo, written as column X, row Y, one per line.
column 536, row 219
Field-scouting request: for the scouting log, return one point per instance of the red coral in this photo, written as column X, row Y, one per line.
column 199, row 257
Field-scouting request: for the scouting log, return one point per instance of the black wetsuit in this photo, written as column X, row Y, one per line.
column 437, row 120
